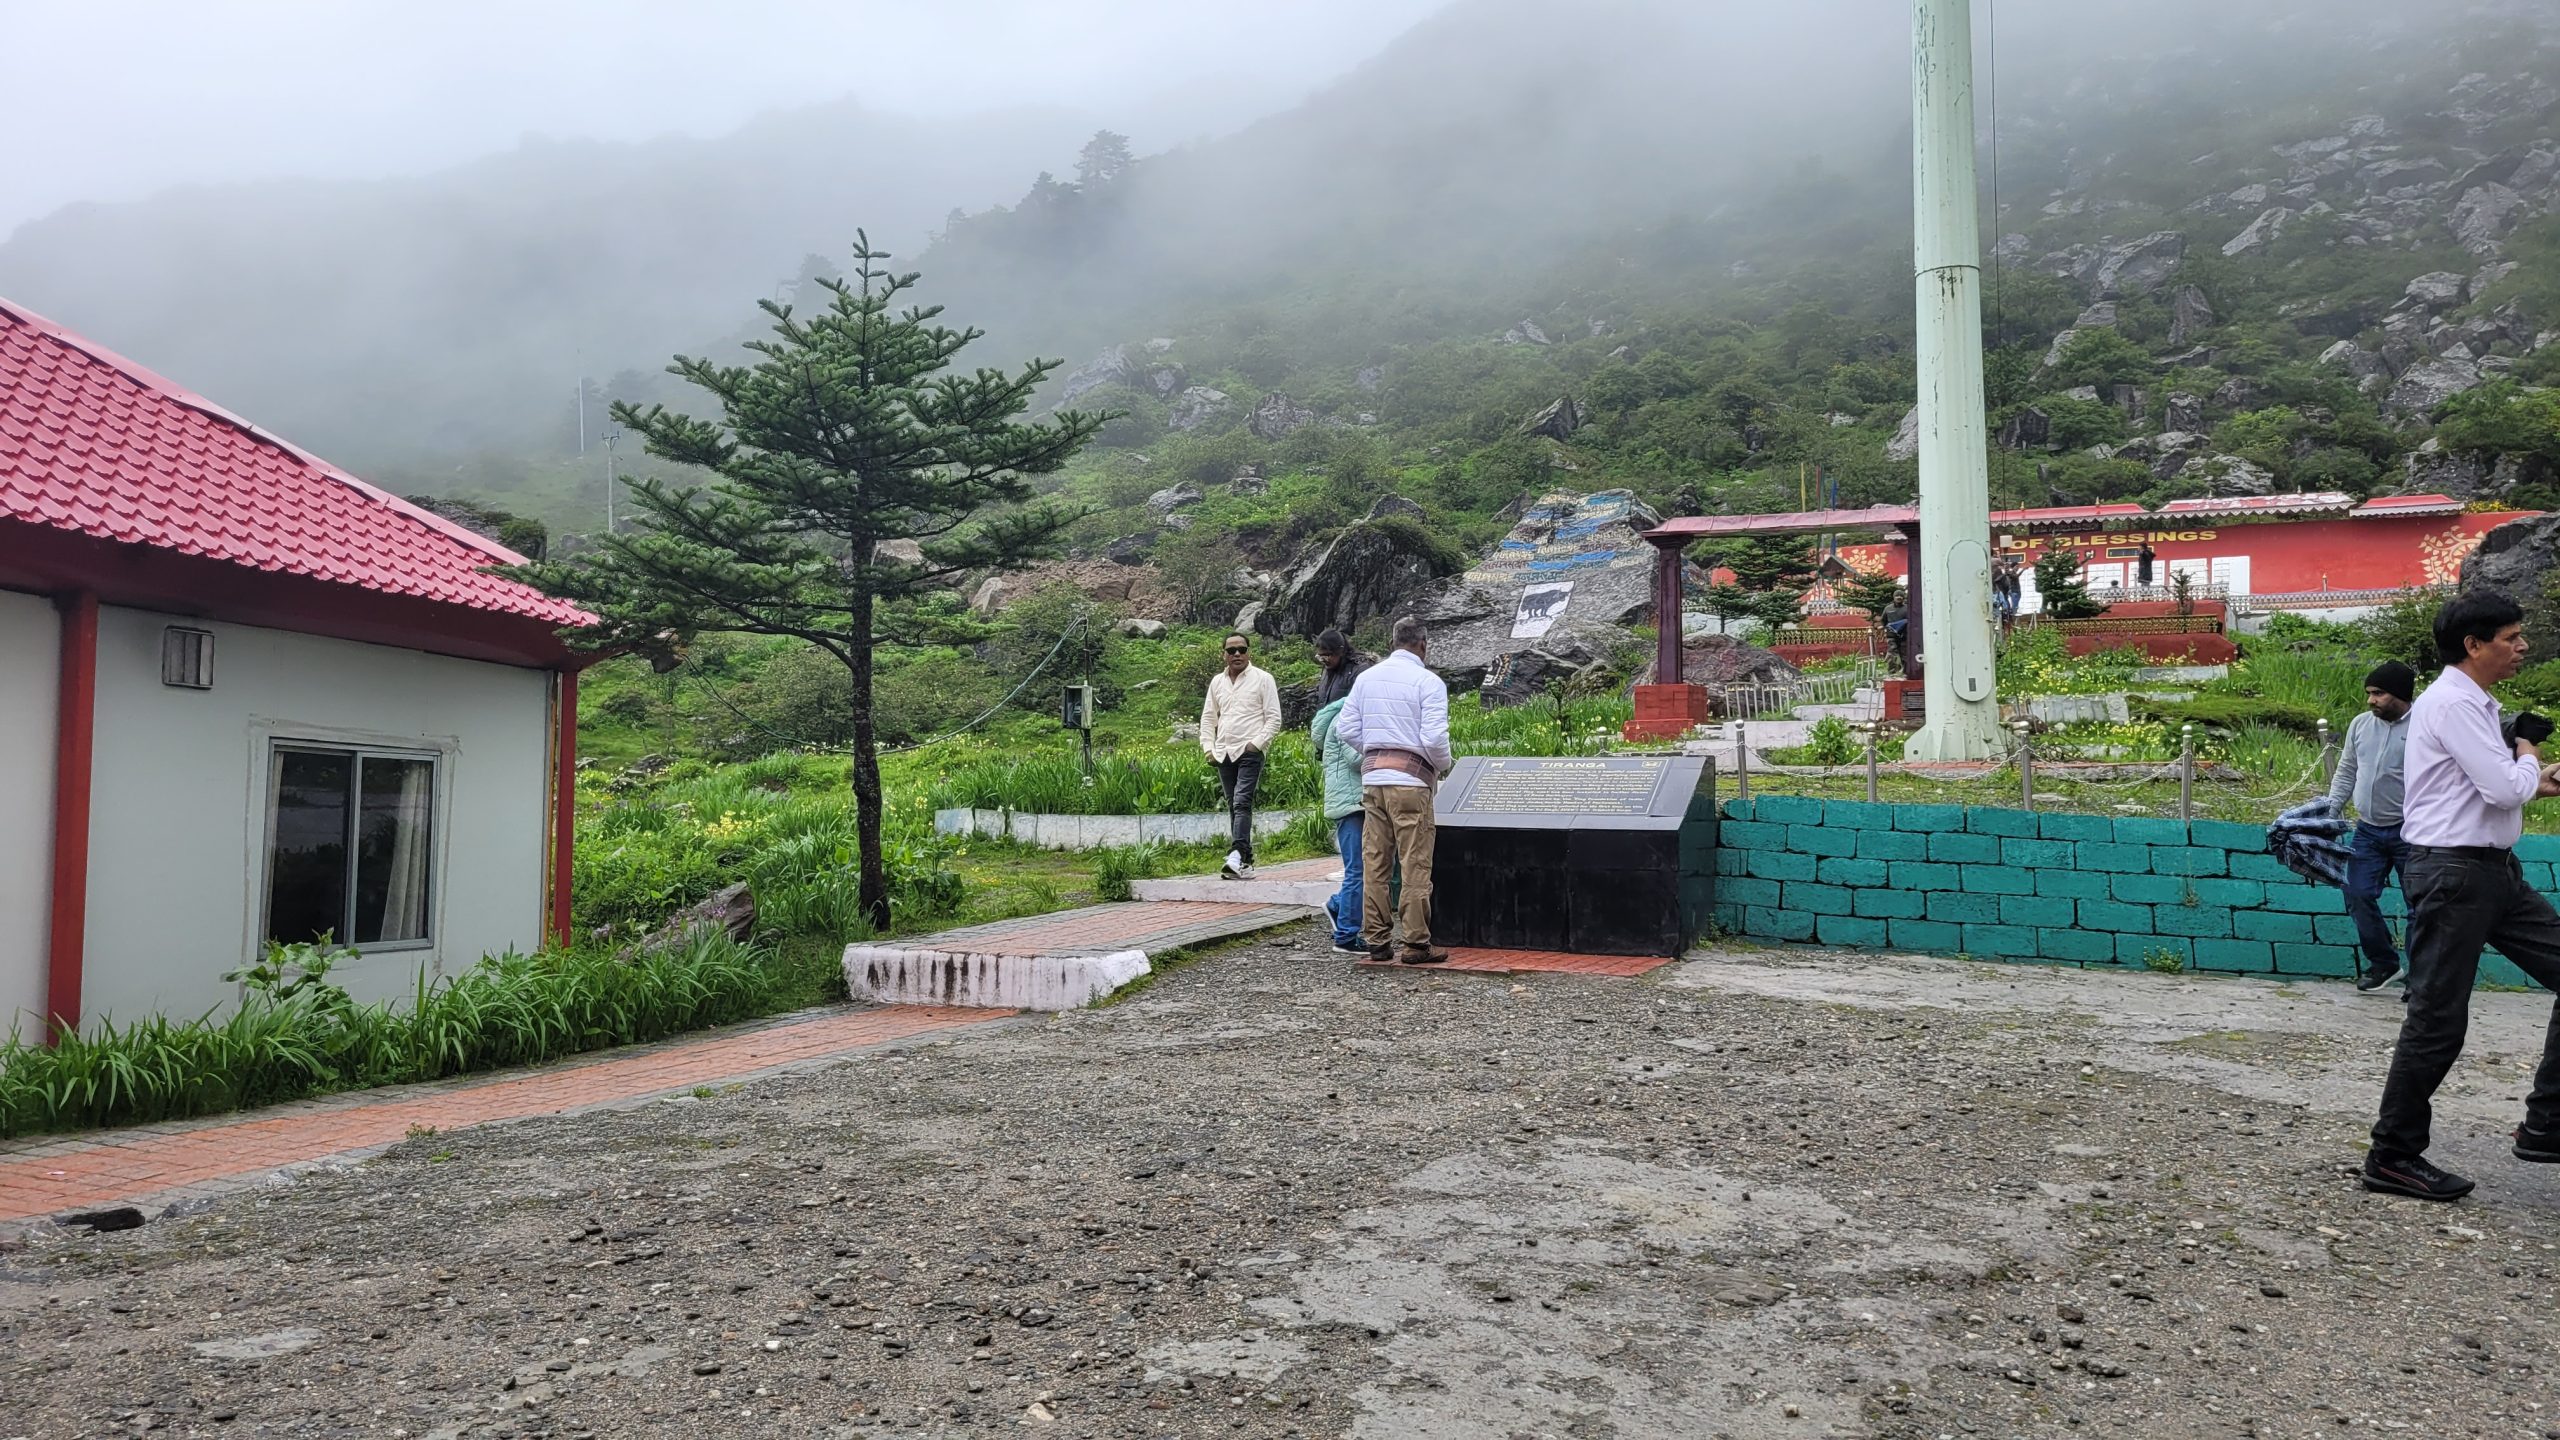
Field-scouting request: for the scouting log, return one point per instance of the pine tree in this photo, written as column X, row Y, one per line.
column 848, row 432
column 1870, row 594
column 2062, row 594
column 1103, row 159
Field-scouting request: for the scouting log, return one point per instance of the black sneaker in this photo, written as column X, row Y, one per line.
column 2414, row 1178
column 2378, row 977
column 2542, row 1147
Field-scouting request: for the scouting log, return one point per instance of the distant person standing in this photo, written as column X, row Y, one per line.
column 1336, row 667
column 2466, row 785
column 1398, row 719
column 2370, row 776
column 1897, row 633
column 2142, row 565
column 1238, row 718
column 1341, row 763
column 2005, row 590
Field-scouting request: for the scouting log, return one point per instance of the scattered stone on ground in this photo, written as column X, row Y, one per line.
column 1761, row 1194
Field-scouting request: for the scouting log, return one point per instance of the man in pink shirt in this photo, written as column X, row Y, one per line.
column 2463, row 808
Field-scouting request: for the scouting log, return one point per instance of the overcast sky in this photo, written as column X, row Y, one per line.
column 132, row 97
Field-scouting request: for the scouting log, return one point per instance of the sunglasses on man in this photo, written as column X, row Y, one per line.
column 1235, row 650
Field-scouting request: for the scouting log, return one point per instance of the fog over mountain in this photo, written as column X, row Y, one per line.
column 1499, row 159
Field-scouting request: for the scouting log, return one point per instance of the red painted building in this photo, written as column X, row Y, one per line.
column 2272, row 551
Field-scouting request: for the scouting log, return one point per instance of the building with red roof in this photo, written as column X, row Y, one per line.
column 250, row 697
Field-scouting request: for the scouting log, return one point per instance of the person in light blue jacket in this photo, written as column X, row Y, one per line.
column 1342, row 808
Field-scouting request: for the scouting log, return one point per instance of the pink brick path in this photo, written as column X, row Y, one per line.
column 44, row 1176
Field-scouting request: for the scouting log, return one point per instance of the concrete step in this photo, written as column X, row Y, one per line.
column 1294, row 884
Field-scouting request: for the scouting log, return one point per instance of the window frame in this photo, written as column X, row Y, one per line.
column 262, row 820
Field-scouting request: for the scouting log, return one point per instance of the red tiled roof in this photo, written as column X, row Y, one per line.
column 2381, row 505
column 94, row 444
column 2323, row 502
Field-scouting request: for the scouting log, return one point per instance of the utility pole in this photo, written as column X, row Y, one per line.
column 582, row 415
column 1952, row 564
column 611, row 482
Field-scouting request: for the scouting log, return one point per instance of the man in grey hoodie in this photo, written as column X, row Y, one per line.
column 2369, row 776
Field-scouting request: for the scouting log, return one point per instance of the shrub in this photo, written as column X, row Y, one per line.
column 1829, row 742
column 2228, row 712
column 1115, row 866
column 294, row 1033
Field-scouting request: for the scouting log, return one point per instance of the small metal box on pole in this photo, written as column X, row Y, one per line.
column 1075, row 712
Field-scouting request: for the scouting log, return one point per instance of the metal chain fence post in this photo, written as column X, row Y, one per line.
column 2328, row 752
column 1871, row 728
column 2026, row 768
column 1741, row 761
column 2186, row 772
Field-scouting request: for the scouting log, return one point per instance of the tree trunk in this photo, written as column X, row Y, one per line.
column 866, row 769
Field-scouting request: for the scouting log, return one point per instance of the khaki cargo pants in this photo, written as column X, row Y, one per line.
column 1396, row 832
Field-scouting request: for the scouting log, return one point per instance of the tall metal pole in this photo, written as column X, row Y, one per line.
column 1952, row 564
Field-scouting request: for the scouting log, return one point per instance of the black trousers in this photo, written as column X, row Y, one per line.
column 1239, row 779
column 2459, row 901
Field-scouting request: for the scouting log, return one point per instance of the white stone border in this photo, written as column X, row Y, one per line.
column 1095, row 832
column 904, row 975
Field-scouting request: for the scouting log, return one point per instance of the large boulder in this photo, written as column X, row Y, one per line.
column 1276, row 415
column 2185, row 411
column 1174, row 497
column 2433, row 470
column 2190, row 315
column 731, row 911
column 1720, row 661
column 1196, row 406
column 2438, row 289
column 2262, row 232
column 1111, row 367
column 2221, row 477
column 2424, row 387
column 1370, row 571
column 1905, row 444
column 1517, row 678
column 2485, row 214
column 2516, row 560
column 1557, row 422
column 2137, row 267
column 1574, row 568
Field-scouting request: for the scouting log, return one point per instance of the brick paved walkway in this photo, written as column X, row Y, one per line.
column 1541, row 962
column 159, row 1164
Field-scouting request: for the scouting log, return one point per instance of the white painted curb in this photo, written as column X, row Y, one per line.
column 897, row 975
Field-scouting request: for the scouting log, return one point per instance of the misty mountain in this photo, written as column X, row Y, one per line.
column 1714, row 199
column 402, row 324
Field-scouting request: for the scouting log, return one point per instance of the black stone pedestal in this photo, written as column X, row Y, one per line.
column 1610, row 856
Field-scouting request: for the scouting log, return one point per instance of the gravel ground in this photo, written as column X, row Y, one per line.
column 1757, row 1194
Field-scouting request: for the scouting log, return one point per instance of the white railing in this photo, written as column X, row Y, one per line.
column 1826, row 687
column 2322, row 599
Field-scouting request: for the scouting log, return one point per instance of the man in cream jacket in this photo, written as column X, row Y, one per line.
column 1238, row 717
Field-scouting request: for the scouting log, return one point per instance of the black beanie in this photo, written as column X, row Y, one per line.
column 2393, row 678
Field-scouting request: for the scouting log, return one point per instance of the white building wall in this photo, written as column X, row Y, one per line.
column 30, row 642
column 177, row 838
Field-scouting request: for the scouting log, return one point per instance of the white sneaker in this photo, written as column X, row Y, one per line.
column 1234, row 867
column 1243, row 872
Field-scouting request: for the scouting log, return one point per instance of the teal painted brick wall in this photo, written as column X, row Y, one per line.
column 1857, row 815
column 2078, row 947
column 1965, row 849
column 1821, row 840
column 1820, row 899
column 2019, row 823
column 1892, row 904
column 2115, row 858
column 1892, row 845
column 1852, row 932
column 2079, row 827
column 1837, row 871
column 1999, row 880
column 2068, row 889
column 1928, row 817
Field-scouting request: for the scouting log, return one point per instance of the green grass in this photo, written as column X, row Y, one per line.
column 285, row 1042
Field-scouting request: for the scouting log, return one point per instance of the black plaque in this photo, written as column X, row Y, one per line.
column 1521, row 785
column 1601, row 856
